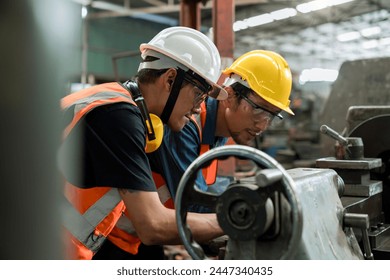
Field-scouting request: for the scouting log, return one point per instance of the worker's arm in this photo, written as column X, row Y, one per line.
column 116, row 140
column 156, row 224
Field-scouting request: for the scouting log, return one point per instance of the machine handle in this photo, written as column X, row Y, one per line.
column 330, row 132
column 360, row 221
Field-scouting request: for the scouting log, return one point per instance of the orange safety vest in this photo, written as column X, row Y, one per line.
column 91, row 214
column 123, row 234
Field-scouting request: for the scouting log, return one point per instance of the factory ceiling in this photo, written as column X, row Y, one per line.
column 309, row 34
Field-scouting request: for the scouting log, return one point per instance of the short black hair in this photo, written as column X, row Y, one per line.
column 240, row 90
column 148, row 76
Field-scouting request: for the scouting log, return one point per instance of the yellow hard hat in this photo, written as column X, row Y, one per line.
column 266, row 73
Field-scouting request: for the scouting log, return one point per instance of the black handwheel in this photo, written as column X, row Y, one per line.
column 188, row 194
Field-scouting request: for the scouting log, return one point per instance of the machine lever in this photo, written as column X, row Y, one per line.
column 330, row 132
column 360, row 221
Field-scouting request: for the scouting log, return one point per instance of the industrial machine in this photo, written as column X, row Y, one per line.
column 333, row 203
column 336, row 210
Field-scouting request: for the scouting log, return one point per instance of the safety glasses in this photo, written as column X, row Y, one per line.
column 200, row 92
column 259, row 109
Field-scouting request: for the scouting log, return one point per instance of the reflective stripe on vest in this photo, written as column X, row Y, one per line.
column 86, row 104
column 124, row 233
column 82, row 226
column 91, row 213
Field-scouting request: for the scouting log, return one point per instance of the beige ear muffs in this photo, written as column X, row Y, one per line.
column 158, row 126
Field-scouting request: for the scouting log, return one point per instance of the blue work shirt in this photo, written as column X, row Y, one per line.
column 179, row 149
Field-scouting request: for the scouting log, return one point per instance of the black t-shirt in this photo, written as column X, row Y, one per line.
column 112, row 150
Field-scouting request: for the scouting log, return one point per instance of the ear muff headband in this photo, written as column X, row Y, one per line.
column 154, row 125
column 167, row 111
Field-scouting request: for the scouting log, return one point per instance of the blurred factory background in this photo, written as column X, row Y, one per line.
column 315, row 37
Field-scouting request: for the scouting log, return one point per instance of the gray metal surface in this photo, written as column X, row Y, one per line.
column 323, row 237
column 371, row 205
column 363, row 190
column 356, row 174
column 363, row 164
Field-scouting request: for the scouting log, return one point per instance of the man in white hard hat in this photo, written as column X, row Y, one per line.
column 117, row 125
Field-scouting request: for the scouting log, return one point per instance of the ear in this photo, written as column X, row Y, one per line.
column 169, row 78
column 231, row 100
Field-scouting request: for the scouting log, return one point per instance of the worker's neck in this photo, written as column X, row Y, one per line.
column 150, row 92
column 221, row 129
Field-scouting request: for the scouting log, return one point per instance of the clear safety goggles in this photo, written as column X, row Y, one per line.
column 257, row 109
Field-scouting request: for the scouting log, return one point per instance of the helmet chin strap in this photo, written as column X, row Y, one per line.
column 174, row 94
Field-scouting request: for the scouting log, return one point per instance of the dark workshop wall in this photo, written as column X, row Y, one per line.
column 110, row 36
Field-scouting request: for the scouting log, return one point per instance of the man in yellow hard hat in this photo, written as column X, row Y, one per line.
column 258, row 85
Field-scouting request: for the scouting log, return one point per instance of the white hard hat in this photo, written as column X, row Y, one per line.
column 190, row 49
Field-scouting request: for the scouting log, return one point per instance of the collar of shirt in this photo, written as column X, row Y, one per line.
column 208, row 133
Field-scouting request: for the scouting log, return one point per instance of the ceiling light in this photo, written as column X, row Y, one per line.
column 239, row 25
column 319, row 5
column 264, row 19
column 349, row 36
column 303, row 8
column 370, row 44
column 318, row 75
column 367, row 32
column 384, row 41
column 312, row 6
column 252, row 21
column 338, row 2
column 259, row 20
column 84, row 12
column 283, row 13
